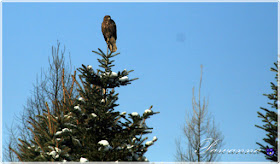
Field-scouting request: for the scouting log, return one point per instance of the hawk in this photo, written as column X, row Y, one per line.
column 109, row 31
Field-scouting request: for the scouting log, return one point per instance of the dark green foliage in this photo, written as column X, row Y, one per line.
column 96, row 115
column 46, row 144
column 270, row 121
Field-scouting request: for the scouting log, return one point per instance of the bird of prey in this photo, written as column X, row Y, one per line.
column 109, row 31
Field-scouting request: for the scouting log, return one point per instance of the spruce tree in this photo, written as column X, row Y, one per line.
column 48, row 88
column 270, row 121
column 51, row 139
column 107, row 134
column 88, row 128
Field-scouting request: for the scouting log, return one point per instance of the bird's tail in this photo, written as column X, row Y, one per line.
column 112, row 45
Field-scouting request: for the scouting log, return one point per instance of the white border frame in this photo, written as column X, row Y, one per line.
column 133, row 1
column 1, row 48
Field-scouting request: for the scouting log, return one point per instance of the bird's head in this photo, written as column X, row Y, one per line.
column 107, row 17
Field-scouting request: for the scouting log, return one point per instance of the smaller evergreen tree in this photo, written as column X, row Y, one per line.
column 270, row 120
column 45, row 145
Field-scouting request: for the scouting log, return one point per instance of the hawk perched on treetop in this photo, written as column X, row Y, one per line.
column 109, row 31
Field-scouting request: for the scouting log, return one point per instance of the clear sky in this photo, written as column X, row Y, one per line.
column 165, row 43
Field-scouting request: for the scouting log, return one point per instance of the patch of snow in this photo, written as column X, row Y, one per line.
column 81, row 99
column 149, row 143
column 123, row 113
column 114, row 74
column 134, row 114
column 154, row 139
column 58, row 133
column 106, row 145
column 123, row 79
column 148, row 111
column 83, row 159
column 53, row 154
column 89, row 67
column 104, row 142
column 57, row 150
column 66, row 130
column 130, row 146
column 77, row 108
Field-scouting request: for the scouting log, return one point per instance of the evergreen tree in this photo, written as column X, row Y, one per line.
column 270, row 120
column 119, row 137
column 88, row 128
column 44, row 145
column 48, row 88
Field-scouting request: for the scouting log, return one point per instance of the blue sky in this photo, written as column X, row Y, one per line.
column 165, row 43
